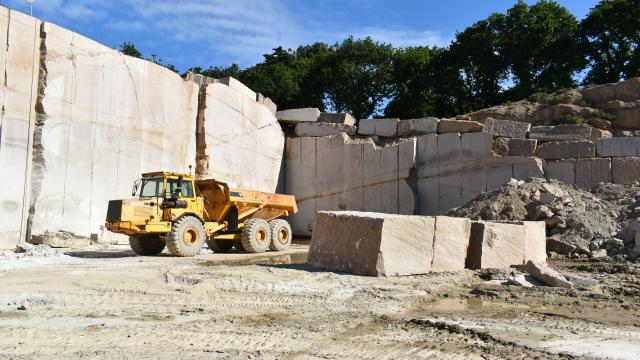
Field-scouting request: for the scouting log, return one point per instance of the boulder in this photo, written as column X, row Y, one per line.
column 450, row 244
column 564, row 132
column 378, row 127
column 295, row 116
column 559, row 246
column 506, row 128
column 597, row 134
column 417, row 127
column 315, row 129
column 372, row 244
column 542, row 272
column 557, row 150
column 339, row 118
column 515, row 147
column 458, row 126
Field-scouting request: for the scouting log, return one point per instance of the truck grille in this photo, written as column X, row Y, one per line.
column 114, row 211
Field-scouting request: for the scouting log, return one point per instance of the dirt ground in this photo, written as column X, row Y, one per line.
column 105, row 302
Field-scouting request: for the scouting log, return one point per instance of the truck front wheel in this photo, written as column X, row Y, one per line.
column 256, row 235
column 187, row 236
column 146, row 245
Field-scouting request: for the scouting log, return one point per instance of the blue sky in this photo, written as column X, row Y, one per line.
column 220, row 32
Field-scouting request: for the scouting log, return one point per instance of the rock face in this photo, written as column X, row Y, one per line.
column 105, row 118
column 372, row 244
column 239, row 139
column 19, row 64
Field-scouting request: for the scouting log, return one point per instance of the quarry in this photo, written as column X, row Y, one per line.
column 500, row 233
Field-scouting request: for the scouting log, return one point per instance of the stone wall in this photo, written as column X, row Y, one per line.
column 82, row 121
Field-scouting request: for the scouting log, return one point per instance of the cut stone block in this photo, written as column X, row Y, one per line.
column 496, row 245
column 339, row 118
column 557, row 150
column 428, row 197
column 597, row 134
column 476, row 147
column 378, row 127
column 416, row 127
column 499, row 171
column 295, row 116
column 372, row 244
column 561, row 170
column 564, row 132
column 506, row 128
column 459, row 126
column 545, row 274
column 449, row 166
column 628, row 119
column 625, row 170
column 427, row 156
column 591, row 172
column 450, row 243
column 316, row 129
column 515, row 147
column 526, row 167
column 535, row 242
column 618, row 146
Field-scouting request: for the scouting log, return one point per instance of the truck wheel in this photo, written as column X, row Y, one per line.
column 280, row 235
column 219, row 246
column 187, row 236
column 256, row 235
column 238, row 245
column 146, row 245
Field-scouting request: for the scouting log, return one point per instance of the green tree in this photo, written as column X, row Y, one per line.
column 218, row 72
column 357, row 77
column 128, row 48
column 610, row 35
column 538, row 43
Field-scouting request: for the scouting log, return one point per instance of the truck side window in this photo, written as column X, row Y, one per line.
column 187, row 188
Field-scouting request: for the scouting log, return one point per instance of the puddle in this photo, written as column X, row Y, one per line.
column 295, row 258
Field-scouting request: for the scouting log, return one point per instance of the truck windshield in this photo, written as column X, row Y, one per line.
column 151, row 187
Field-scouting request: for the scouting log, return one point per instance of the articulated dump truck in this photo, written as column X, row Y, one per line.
column 182, row 213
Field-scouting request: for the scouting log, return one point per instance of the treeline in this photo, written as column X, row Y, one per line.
column 505, row 57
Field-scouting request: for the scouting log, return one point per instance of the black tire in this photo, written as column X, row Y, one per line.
column 256, row 235
column 280, row 235
column 146, row 245
column 238, row 245
column 219, row 246
column 187, row 236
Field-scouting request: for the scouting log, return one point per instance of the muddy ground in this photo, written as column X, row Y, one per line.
column 105, row 302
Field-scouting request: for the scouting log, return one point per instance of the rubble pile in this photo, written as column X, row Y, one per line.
column 579, row 222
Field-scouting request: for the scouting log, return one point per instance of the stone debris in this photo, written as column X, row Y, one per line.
column 543, row 273
column 379, row 127
column 318, row 129
column 417, row 127
column 459, row 126
column 61, row 239
column 295, row 116
column 377, row 244
column 578, row 222
column 30, row 250
column 507, row 128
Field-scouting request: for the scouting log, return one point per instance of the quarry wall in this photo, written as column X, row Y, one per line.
column 82, row 121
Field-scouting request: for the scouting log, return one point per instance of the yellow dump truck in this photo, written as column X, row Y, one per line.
column 182, row 213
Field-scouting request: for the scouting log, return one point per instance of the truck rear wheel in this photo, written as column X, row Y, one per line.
column 256, row 235
column 146, row 245
column 187, row 236
column 280, row 235
column 219, row 246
